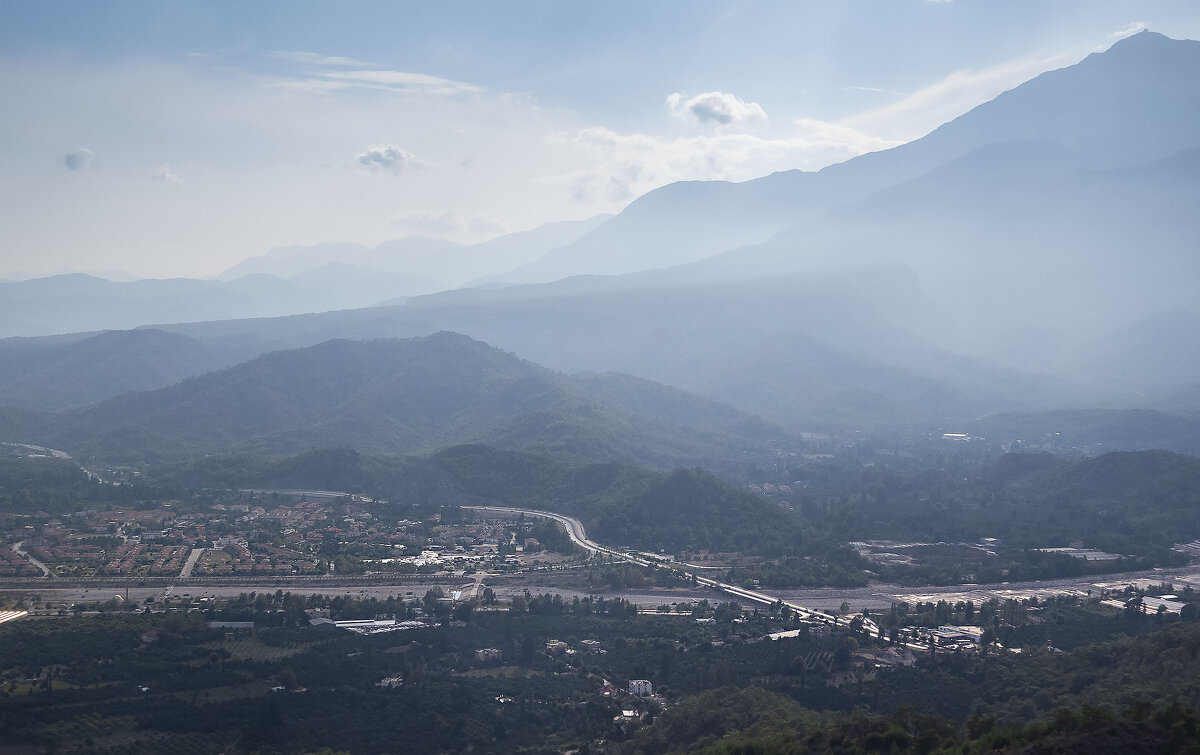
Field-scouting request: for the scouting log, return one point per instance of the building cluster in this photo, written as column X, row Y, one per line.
column 134, row 556
column 13, row 565
column 239, row 558
column 771, row 488
column 256, row 533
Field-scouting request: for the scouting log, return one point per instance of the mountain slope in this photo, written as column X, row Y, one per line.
column 62, row 373
column 938, row 281
column 402, row 397
column 1137, row 102
column 73, row 303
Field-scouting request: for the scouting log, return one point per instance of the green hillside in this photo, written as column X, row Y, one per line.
column 398, row 397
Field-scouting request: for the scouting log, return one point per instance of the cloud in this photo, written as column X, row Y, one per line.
column 402, row 81
column 325, row 74
column 79, row 160
column 486, row 225
column 877, row 90
column 927, row 108
column 624, row 166
column 721, row 108
column 390, row 157
column 316, row 59
column 163, row 173
column 449, row 224
column 396, row 82
column 1126, row 31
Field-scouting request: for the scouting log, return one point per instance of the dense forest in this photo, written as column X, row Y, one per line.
column 102, row 683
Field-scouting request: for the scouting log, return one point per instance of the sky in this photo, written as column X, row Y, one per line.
column 164, row 139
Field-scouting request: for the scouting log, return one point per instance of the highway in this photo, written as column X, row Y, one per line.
column 579, row 536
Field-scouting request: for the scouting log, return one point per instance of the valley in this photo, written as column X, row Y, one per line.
column 858, row 411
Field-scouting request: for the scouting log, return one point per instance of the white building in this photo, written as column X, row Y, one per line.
column 640, row 687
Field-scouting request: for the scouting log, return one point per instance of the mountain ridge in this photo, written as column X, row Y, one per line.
column 403, row 396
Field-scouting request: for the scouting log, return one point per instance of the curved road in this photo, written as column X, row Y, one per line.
column 579, row 536
column 18, row 548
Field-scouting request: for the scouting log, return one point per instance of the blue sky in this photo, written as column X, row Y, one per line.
column 179, row 138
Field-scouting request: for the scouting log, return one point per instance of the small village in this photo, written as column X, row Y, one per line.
column 255, row 534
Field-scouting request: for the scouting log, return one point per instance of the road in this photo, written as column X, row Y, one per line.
column 193, row 557
column 885, row 594
column 579, row 536
column 17, row 550
column 310, row 494
column 41, row 449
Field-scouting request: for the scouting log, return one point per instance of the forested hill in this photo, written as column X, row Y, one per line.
column 402, row 396
column 1135, row 503
column 684, row 509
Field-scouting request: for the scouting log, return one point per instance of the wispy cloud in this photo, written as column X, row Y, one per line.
column 402, row 81
column 390, row 157
column 721, row 108
column 920, row 112
column 1128, row 30
column 624, row 166
column 876, row 90
column 324, row 74
column 163, row 173
column 317, row 59
column 396, row 82
column 79, row 159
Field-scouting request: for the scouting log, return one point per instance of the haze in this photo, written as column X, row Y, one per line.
column 167, row 142
column 607, row 377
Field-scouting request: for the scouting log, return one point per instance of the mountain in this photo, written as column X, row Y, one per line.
column 1092, row 431
column 637, row 507
column 75, row 302
column 1135, row 103
column 1145, row 360
column 440, row 264
column 285, row 281
column 480, row 263
column 987, row 268
column 1009, row 235
column 401, row 397
column 52, row 374
column 286, row 261
column 678, row 223
column 815, row 352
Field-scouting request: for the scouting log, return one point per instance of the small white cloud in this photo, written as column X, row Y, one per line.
column 721, row 108
column 163, row 173
column 390, row 157
column 79, row 160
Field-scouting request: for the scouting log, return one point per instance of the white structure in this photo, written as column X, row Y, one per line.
column 1165, row 603
column 640, row 688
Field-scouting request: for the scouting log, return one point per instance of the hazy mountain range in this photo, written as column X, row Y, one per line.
column 1035, row 254
column 284, row 281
